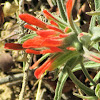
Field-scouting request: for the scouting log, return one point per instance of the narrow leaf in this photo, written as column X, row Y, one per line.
column 26, row 37
column 60, row 4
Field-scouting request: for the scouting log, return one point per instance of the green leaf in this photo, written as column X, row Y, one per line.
column 60, row 4
column 85, row 39
column 61, row 81
column 97, row 90
column 87, row 74
column 63, row 77
column 96, row 46
column 96, row 34
column 80, row 85
column 63, row 74
column 26, row 37
column 93, row 19
column 97, row 5
column 92, row 23
column 61, row 22
column 62, row 58
column 88, row 65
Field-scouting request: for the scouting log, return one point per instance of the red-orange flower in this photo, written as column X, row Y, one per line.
column 51, row 39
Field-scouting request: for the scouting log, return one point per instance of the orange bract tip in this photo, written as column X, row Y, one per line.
column 33, row 43
column 32, row 51
column 51, row 50
column 49, row 16
column 46, row 33
column 46, row 51
column 91, row 58
column 80, row 35
column 56, row 49
column 39, row 71
column 30, row 27
column 52, row 42
column 95, row 56
column 35, row 64
column 54, row 23
column 69, row 6
column 32, row 20
column 66, row 29
column 71, row 48
column 54, row 28
column 63, row 35
column 14, row 46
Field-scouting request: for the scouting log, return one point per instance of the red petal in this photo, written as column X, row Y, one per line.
column 49, row 16
column 39, row 71
column 33, row 43
column 56, row 37
column 51, row 50
column 32, row 20
column 35, row 64
column 56, row 49
column 51, row 42
column 32, row 51
column 63, row 35
column 53, row 23
column 46, row 51
column 69, row 6
column 14, row 46
column 46, row 33
column 30, row 27
column 55, row 29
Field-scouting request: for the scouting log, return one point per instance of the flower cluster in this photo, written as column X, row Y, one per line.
column 56, row 38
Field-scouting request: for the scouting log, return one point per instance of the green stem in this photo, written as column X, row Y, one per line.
column 74, row 27
column 87, row 74
column 25, row 77
column 84, row 88
column 38, row 91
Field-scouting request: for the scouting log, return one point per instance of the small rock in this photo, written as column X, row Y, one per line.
column 6, row 62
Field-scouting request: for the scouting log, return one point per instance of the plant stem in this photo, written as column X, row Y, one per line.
column 25, row 77
column 92, row 13
column 84, row 88
column 38, row 91
column 87, row 74
column 86, row 97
